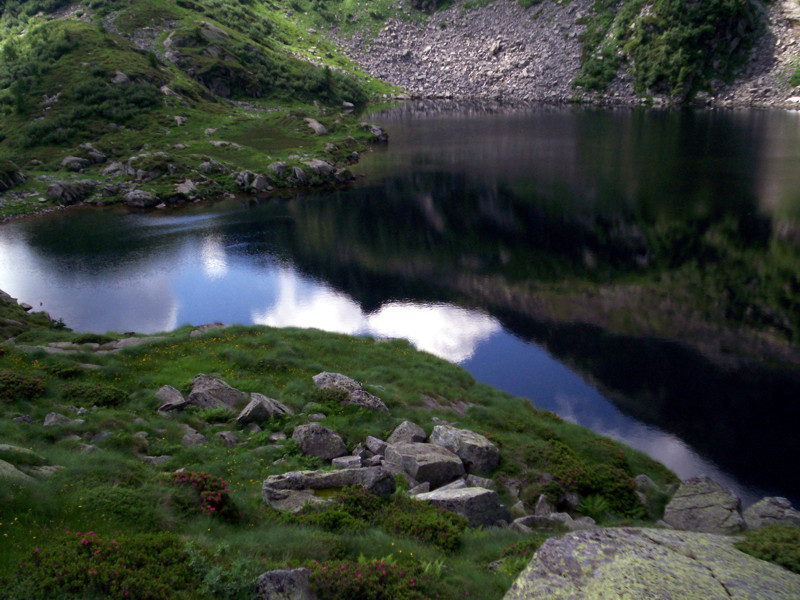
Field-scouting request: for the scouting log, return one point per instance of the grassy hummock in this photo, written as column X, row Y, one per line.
column 99, row 515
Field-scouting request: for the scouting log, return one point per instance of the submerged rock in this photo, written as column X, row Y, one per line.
column 649, row 563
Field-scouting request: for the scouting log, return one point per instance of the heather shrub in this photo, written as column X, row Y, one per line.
column 776, row 543
column 211, row 495
column 93, row 394
column 424, row 523
column 376, row 580
column 15, row 387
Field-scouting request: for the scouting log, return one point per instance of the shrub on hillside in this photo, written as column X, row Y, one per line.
column 376, row 580
column 212, row 495
column 776, row 543
column 15, row 387
column 93, row 394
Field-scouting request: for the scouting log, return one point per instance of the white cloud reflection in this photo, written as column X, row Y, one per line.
column 213, row 257
column 446, row 331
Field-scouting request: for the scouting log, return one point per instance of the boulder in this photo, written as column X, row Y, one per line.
column 10, row 473
column 375, row 445
column 407, row 432
column 317, row 127
column 193, row 438
column 316, row 440
column 425, row 462
column 210, row 392
column 319, row 167
column 649, row 563
column 284, row 585
column 52, row 419
column 768, row 511
column 475, row 481
column 701, row 504
column 543, row 507
column 356, row 394
column 20, row 456
column 229, row 439
column 300, row 175
column 75, row 163
column 347, row 462
column 141, row 199
column 10, row 175
column 479, row 506
column 260, row 409
column 171, row 399
column 291, row 491
column 70, row 192
column 478, row 453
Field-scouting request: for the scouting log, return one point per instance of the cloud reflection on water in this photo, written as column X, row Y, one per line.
column 446, row 331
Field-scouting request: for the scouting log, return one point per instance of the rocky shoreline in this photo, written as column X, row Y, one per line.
column 503, row 52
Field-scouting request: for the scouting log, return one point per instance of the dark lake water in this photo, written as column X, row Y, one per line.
column 461, row 209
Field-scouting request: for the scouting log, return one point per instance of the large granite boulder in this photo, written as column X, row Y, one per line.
column 21, row 456
column 656, row 564
column 701, row 504
column 478, row 453
column 11, row 474
column 293, row 490
column 285, row 585
column 260, row 409
column 407, row 432
column 425, row 462
column 210, row 392
column 771, row 511
column 316, row 440
column 356, row 394
column 480, row 506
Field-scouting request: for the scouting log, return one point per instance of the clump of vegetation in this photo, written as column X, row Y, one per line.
column 93, row 394
column 776, row 543
column 670, row 46
column 15, row 387
column 376, row 579
column 212, row 494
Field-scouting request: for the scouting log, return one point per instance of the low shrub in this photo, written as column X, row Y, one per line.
column 15, row 387
column 213, row 497
column 376, row 579
column 594, row 506
column 97, row 394
column 776, row 543
column 88, row 565
column 424, row 523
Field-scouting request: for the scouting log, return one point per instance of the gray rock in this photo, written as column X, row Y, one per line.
column 278, row 168
column 10, row 473
column 75, row 163
column 422, row 488
column 458, row 484
column 171, row 399
column 210, row 392
column 261, row 409
column 478, row 453
column 649, row 563
column 284, row 585
column 20, row 456
column 120, row 78
column 701, row 504
column 407, row 432
column 229, row 439
column 52, row 419
column 70, row 192
column 187, row 189
column 347, row 462
column 316, row 440
column 317, row 127
column 373, row 461
column 277, row 436
column 316, row 417
column 425, row 462
column 769, row 511
column 291, row 491
column 645, row 485
column 319, row 167
column 375, row 445
column 141, row 199
column 481, row 507
column 252, row 428
column 356, row 394
column 475, row 481
column 193, row 438
column 300, row 175
column 23, row 419
column 543, row 507
column 201, row 329
column 157, row 461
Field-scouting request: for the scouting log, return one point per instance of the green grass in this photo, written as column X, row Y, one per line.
column 116, row 494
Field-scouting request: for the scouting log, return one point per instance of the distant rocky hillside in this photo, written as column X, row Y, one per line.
column 734, row 53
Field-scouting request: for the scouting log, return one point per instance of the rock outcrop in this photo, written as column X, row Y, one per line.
column 649, row 563
column 407, row 432
column 771, row 511
column 425, row 462
column 293, row 490
column 477, row 452
column 480, row 506
column 290, row 584
column 319, row 441
column 701, row 504
column 210, row 392
column 260, row 409
column 356, row 394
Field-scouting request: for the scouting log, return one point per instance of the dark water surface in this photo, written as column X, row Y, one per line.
column 460, row 208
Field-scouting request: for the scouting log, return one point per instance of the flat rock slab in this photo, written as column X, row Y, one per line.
column 656, row 564
column 701, row 504
column 425, row 462
column 291, row 491
column 480, row 506
column 356, row 394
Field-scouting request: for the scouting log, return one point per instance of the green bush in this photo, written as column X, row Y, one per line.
column 376, row 580
column 15, row 387
column 212, row 494
column 97, row 394
column 87, row 565
column 423, row 522
column 776, row 543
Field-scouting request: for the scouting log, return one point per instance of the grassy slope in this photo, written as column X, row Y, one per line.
column 112, row 491
column 249, row 53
